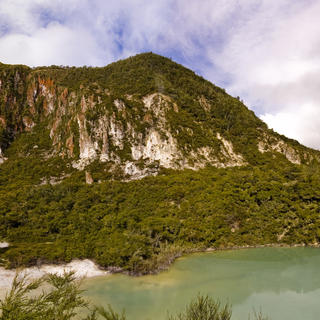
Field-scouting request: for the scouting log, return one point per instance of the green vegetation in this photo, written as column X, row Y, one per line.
column 49, row 214
column 141, row 226
column 61, row 299
column 12, row 101
column 204, row 308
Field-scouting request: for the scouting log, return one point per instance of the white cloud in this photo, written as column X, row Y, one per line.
column 54, row 44
column 300, row 124
column 274, row 63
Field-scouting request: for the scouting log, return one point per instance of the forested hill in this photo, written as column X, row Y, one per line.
column 136, row 162
column 135, row 116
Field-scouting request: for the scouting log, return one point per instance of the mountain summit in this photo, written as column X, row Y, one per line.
column 135, row 117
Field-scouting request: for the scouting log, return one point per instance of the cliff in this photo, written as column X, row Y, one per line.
column 136, row 116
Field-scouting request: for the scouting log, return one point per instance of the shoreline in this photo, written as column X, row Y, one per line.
column 82, row 268
column 268, row 245
column 88, row 269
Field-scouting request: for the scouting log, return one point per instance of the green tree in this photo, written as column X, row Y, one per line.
column 204, row 308
column 62, row 301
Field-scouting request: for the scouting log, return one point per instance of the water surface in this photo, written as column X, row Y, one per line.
column 283, row 282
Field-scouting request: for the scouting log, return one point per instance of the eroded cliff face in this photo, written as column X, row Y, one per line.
column 138, row 142
column 132, row 133
column 13, row 118
column 269, row 142
column 87, row 126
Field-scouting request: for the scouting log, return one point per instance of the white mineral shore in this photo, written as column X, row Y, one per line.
column 82, row 268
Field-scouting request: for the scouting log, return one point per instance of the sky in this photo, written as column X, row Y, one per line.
column 267, row 52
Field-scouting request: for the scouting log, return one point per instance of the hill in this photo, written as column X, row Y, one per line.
column 134, row 163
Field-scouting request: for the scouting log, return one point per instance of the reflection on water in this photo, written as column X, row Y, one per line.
column 284, row 282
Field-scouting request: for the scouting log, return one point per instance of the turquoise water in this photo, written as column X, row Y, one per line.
column 283, row 282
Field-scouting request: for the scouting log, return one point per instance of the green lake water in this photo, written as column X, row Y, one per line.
column 283, row 282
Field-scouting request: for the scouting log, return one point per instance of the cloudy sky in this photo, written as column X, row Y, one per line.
column 265, row 51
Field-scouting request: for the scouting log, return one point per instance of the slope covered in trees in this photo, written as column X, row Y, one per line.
column 74, row 141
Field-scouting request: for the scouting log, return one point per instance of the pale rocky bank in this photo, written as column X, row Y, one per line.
column 82, row 268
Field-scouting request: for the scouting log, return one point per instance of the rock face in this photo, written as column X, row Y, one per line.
column 89, row 179
column 135, row 131
column 270, row 143
column 2, row 158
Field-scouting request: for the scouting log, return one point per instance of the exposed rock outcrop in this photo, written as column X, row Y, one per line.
column 129, row 131
column 89, row 179
column 232, row 158
column 269, row 143
column 2, row 158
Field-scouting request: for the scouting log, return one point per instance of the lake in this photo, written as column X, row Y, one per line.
column 283, row 282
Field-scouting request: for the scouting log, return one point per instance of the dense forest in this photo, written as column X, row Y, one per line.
column 142, row 225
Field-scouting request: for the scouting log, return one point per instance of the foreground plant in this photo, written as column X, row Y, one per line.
column 204, row 308
column 61, row 301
